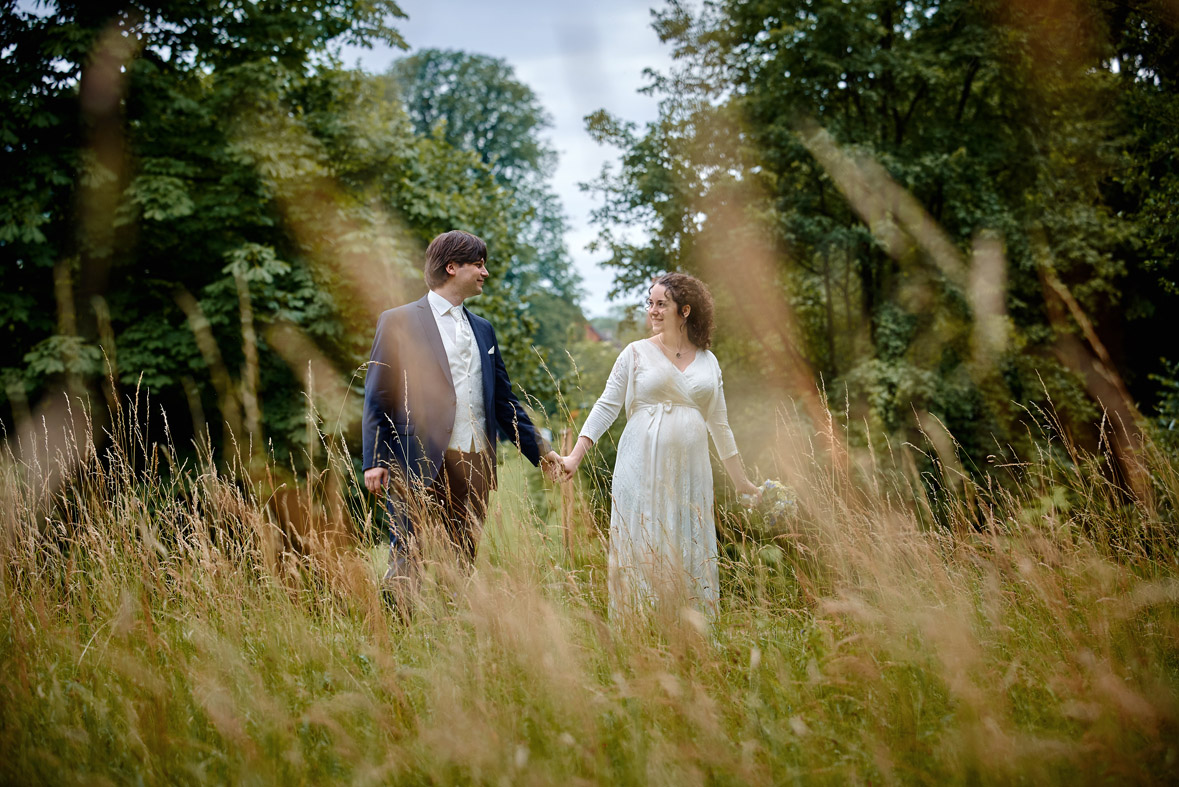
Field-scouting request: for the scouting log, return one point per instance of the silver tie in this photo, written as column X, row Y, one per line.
column 462, row 335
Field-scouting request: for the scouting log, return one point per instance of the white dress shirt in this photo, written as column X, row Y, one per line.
column 466, row 371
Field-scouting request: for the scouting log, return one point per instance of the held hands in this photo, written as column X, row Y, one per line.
column 553, row 465
column 559, row 468
column 565, row 467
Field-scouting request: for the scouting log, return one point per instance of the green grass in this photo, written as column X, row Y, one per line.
column 156, row 633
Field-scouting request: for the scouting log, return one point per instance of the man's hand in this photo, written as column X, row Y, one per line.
column 553, row 467
column 375, row 479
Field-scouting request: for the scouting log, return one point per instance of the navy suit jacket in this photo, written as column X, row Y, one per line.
column 409, row 399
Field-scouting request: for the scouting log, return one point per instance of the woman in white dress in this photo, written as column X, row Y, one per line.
column 662, row 535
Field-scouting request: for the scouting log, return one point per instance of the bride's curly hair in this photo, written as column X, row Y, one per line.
column 687, row 290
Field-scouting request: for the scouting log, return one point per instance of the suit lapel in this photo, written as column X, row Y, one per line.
column 487, row 362
column 429, row 328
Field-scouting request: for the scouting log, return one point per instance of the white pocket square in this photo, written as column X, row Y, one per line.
column 492, row 350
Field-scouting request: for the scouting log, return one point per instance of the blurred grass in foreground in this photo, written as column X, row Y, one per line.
column 161, row 630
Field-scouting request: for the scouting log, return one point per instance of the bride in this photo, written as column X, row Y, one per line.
column 662, row 536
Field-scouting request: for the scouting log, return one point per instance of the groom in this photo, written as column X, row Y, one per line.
column 435, row 395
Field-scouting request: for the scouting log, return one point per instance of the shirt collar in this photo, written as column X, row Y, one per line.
column 439, row 304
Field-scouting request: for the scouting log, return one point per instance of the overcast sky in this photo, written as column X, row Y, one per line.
column 577, row 58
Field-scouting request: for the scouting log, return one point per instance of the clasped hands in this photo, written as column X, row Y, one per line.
column 558, row 468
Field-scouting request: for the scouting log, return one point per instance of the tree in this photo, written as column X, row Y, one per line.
column 1145, row 56
column 475, row 103
column 833, row 140
column 202, row 197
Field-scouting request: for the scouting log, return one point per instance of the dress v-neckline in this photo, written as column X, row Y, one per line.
column 663, row 355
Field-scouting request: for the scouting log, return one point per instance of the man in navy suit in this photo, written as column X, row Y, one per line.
column 435, row 395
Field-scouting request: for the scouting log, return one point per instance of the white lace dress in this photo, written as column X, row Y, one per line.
column 662, row 534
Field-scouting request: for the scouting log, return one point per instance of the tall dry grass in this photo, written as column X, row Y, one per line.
column 162, row 626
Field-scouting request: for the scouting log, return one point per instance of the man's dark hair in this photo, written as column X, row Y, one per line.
column 461, row 248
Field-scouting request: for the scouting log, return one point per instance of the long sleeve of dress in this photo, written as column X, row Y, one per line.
column 718, row 421
column 609, row 404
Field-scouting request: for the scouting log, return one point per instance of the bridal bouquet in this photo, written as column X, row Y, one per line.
column 777, row 506
column 778, row 502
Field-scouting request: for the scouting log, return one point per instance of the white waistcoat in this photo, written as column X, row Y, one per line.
column 466, row 370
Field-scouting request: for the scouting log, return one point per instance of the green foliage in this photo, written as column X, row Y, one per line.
column 240, row 155
column 1052, row 126
column 475, row 103
column 63, row 354
column 1168, row 405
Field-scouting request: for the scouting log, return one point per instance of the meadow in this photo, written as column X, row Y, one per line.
column 957, row 211
column 163, row 625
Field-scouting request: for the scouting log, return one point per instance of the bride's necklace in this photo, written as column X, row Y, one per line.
column 678, row 353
